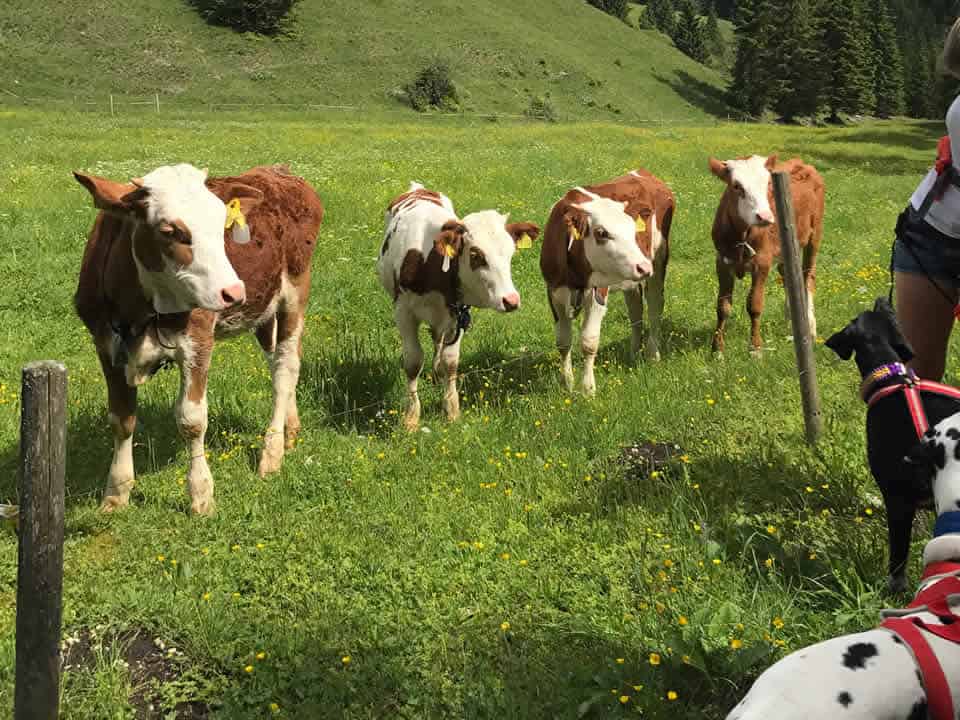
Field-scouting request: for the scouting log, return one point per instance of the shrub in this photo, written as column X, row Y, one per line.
column 432, row 88
column 266, row 17
column 541, row 109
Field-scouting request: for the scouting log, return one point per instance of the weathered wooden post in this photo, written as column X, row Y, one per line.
column 43, row 431
column 797, row 295
column 111, row 103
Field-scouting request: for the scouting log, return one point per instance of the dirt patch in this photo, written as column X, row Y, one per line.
column 642, row 458
column 149, row 661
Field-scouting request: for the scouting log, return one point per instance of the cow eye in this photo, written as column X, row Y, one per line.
column 602, row 234
column 738, row 188
column 477, row 258
column 176, row 232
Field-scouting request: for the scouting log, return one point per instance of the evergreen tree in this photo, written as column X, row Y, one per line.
column 797, row 83
column 847, row 59
column 689, row 37
column 662, row 16
column 711, row 35
column 887, row 65
column 617, row 8
column 749, row 88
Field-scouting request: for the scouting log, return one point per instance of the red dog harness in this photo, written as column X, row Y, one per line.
column 911, row 387
column 913, row 631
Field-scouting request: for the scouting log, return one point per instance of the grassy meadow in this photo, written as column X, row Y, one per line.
column 511, row 565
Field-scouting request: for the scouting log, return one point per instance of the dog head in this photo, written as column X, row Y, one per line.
column 875, row 337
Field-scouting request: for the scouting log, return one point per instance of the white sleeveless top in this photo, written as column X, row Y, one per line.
column 944, row 215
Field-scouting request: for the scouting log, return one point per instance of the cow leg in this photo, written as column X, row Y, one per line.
column 447, row 357
column 758, row 286
column 409, row 325
column 191, row 413
column 810, row 281
column 122, row 413
column 594, row 308
column 634, row 301
column 654, row 294
column 562, row 308
column 724, row 301
column 285, row 370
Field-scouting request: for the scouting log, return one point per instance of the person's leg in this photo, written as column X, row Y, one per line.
column 926, row 317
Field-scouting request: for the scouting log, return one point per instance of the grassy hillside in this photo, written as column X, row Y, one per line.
column 508, row 566
column 355, row 52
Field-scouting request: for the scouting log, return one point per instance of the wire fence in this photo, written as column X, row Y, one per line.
column 115, row 104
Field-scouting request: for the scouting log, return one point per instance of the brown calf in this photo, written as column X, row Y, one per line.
column 746, row 236
column 142, row 296
column 610, row 236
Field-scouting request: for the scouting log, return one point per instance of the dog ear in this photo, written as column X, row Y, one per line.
column 841, row 343
column 928, row 455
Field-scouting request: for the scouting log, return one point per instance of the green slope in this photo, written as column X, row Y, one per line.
column 355, row 52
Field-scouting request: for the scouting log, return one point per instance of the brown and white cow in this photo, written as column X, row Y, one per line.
column 435, row 266
column 611, row 236
column 161, row 279
column 746, row 237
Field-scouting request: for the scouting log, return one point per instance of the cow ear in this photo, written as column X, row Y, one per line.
column 841, row 343
column 114, row 197
column 771, row 162
column 523, row 232
column 248, row 196
column 719, row 169
column 577, row 224
column 449, row 242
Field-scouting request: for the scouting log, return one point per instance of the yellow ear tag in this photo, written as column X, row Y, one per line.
column 574, row 235
column 449, row 250
column 236, row 220
column 524, row 243
column 641, row 225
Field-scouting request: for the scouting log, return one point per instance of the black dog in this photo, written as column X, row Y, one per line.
column 900, row 409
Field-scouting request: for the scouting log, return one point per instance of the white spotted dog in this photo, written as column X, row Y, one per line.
column 909, row 667
column 436, row 266
column 601, row 238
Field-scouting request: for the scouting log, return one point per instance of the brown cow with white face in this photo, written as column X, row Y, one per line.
column 610, row 236
column 161, row 279
column 746, row 236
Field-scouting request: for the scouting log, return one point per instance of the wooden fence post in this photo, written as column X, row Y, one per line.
column 797, row 295
column 156, row 97
column 111, row 103
column 43, row 430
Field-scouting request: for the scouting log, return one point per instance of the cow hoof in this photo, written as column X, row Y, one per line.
column 269, row 464
column 112, row 503
column 590, row 391
column 897, row 584
column 203, row 508
column 653, row 356
column 756, row 353
column 411, row 424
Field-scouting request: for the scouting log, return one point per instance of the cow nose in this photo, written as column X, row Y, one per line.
column 233, row 294
column 511, row 302
column 642, row 270
column 765, row 217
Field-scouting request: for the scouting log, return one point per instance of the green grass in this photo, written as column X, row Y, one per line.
column 408, row 552
column 345, row 52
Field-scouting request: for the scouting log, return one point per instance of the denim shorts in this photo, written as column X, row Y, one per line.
column 921, row 248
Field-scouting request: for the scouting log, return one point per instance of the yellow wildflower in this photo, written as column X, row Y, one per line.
column 671, row 695
column 654, row 659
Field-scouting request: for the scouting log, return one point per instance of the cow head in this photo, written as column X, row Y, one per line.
column 178, row 240
column 485, row 243
column 749, row 181
column 609, row 237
